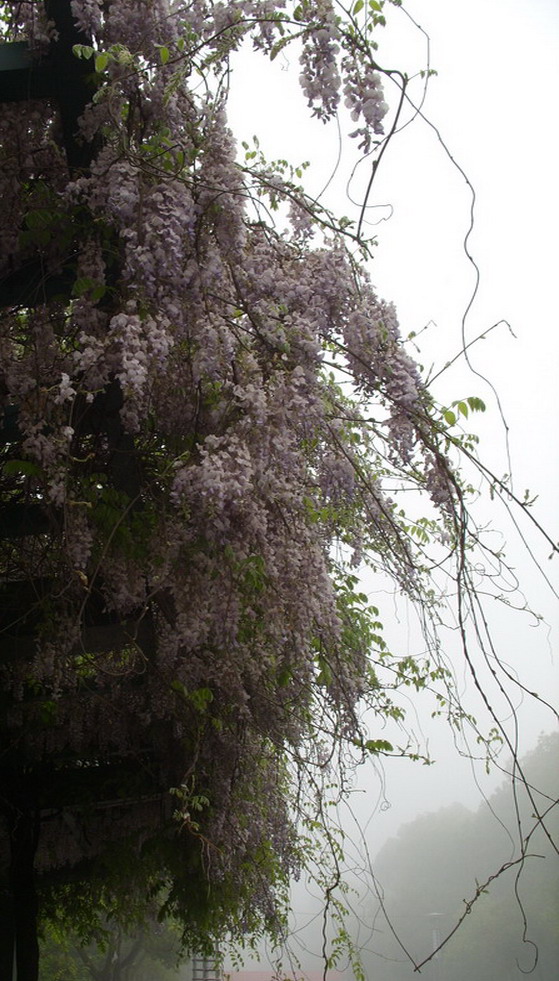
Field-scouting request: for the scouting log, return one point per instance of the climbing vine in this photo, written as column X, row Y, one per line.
column 210, row 423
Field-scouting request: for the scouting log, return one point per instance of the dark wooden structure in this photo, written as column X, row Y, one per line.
column 39, row 795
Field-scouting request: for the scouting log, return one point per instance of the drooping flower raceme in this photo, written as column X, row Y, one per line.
column 185, row 439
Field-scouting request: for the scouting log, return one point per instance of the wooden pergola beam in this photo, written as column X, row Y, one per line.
column 58, row 75
column 23, row 76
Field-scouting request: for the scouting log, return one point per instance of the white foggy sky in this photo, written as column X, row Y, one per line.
column 494, row 102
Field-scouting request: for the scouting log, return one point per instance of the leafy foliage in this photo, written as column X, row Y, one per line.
column 150, row 955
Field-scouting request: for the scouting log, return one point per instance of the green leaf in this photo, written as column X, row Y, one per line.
column 98, row 292
column 378, row 746
column 164, row 55
column 84, row 285
column 48, row 712
column 476, row 405
column 39, row 219
column 284, row 40
column 358, row 6
column 83, row 51
column 101, row 61
column 449, row 417
column 25, row 468
column 201, row 698
column 284, row 677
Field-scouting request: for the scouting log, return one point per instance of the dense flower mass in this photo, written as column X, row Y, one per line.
column 191, row 477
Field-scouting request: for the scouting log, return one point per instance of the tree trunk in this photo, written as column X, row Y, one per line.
column 25, row 904
column 7, row 930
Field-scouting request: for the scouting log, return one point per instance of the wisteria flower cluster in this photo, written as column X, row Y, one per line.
column 185, row 455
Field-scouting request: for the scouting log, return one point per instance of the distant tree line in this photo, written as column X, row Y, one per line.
column 428, row 874
column 150, row 953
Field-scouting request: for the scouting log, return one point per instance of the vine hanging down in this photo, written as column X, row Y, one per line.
column 208, row 425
